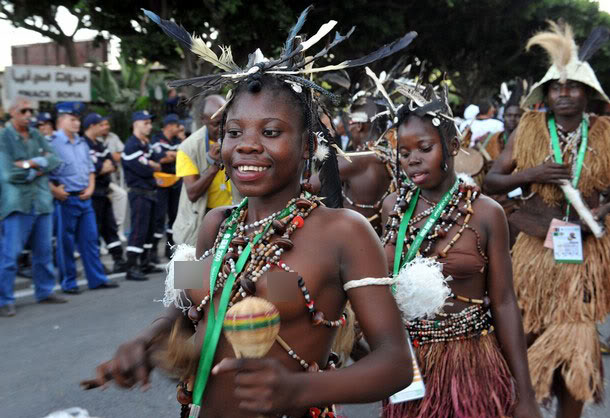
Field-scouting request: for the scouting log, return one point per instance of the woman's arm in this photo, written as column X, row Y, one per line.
column 505, row 312
column 388, row 368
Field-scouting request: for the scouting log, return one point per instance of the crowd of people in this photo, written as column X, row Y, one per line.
column 69, row 183
column 372, row 212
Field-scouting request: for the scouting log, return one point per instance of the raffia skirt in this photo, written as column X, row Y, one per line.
column 561, row 304
column 464, row 378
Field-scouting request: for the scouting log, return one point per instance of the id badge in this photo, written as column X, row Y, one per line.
column 567, row 244
column 417, row 389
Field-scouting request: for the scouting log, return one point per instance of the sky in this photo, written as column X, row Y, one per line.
column 13, row 36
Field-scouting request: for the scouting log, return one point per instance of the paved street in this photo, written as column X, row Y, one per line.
column 47, row 350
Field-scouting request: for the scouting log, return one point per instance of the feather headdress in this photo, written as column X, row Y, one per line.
column 568, row 62
column 289, row 67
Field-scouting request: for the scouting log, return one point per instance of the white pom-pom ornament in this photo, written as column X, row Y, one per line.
column 174, row 296
column 421, row 289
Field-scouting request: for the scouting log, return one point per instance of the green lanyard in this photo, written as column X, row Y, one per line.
column 421, row 235
column 215, row 319
column 582, row 150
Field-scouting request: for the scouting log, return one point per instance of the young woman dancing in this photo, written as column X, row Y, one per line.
column 281, row 237
column 473, row 354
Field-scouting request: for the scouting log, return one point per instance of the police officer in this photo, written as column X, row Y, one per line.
column 104, row 165
column 165, row 145
column 73, row 184
column 139, row 166
column 44, row 123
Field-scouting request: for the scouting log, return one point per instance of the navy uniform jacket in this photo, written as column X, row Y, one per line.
column 160, row 146
column 135, row 159
column 99, row 153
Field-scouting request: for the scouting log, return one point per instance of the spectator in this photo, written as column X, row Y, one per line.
column 139, row 165
column 26, row 206
column 205, row 184
column 44, row 123
column 165, row 145
column 104, row 165
column 73, row 184
column 117, row 194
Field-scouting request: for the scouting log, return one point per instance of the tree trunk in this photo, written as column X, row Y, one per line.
column 70, row 48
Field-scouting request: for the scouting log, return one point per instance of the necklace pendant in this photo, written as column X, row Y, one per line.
column 194, row 314
column 248, row 285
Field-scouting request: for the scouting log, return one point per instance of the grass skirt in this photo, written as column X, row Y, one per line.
column 464, row 379
column 573, row 349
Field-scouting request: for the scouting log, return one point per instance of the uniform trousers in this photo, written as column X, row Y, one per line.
column 106, row 225
column 76, row 225
column 142, row 205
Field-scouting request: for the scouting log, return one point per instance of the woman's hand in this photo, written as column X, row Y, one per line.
column 129, row 366
column 261, row 385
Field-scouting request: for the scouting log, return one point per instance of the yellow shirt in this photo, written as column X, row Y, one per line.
column 219, row 192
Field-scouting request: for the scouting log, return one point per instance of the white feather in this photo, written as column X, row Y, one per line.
column 421, row 289
column 321, row 152
column 177, row 297
column 380, row 88
column 573, row 195
column 323, row 31
column 469, row 181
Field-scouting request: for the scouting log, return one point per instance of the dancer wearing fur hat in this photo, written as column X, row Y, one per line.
column 556, row 157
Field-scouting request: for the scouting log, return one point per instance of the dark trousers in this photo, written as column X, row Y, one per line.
column 106, row 225
column 142, row 206
column 167, row 209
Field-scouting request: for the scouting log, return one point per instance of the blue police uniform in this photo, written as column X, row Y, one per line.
column 75, row 218
column 167, row 197
column 106, row 224
column 142, row 198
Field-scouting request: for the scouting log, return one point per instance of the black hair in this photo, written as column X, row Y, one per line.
column 484, row 106
column 310, row 123
column 446, row 128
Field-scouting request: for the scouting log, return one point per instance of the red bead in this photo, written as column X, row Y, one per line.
column 313, row 367
column 415, row 343
column 298, row 221
column 183, row 398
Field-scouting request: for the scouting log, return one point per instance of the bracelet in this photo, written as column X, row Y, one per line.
column 368, row 281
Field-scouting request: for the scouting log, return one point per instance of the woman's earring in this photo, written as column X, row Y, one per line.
column 444, row 167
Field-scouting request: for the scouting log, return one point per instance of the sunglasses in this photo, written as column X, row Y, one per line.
column 26, row 110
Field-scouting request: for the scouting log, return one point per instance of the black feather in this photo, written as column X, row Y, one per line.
column 596, row 39
column 294, row 31
column 202, row 81
column 339, row 78
column 384, row 51
column 171, row 29
column 330, row 180
column 338, row 39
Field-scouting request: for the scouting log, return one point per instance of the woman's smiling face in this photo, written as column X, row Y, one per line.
column 264, row 146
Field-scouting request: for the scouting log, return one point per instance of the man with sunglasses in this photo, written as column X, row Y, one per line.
column 26, row 206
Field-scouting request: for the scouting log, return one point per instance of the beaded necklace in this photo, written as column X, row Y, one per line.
column 265, row 255
column 459, row 206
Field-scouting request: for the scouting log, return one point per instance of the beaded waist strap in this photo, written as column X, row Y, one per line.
column 469, row 323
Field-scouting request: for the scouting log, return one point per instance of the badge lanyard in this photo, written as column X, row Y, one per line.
column 423, row 232
column 215, row 319
column 581, row 152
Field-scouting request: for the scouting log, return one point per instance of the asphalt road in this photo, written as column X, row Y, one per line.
column 46, row 350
